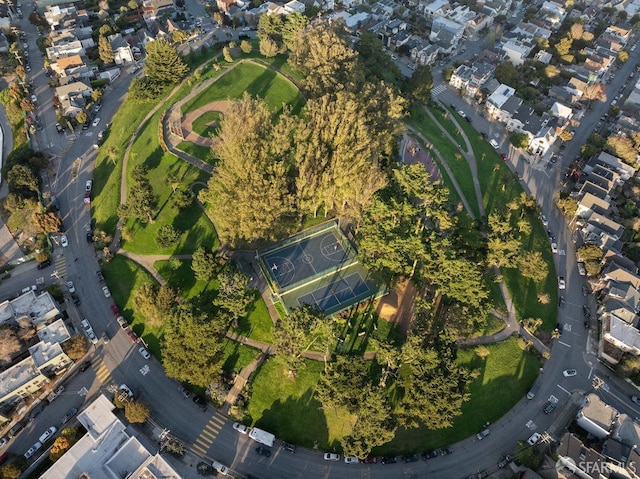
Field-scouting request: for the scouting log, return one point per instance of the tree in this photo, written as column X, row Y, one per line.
column 105, row 51
column 23, row 181
column 167, row 236
column 294, row 24
column 374, row 427
column 203, row 264
column 506, row 73
column 246, row 47
column 250, row 195
column 622, row 147
column 344, row 383
column 96, row 95
column 421, row 84
column 155, row 303
column 326, row 61
column 227, row 55
column 298, row 332
column 193, row 345
column 141, row 199
column 105, row 30
column 76, row 347
column 519, row 140
column 179, row 36
column 13, row 470
column 533, row 266
column 82, row 117
column 59, row 447
column 132, row 4
column 234, row 294
column 163, row 65
column 568, row 205
column 376, row 59
column 48, row 222
column 9, row 344
column 270, row 26
column 137, row 411
column 182, row 199
column 27, row 105
column 268, row 47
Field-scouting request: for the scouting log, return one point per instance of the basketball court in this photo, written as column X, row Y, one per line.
column 318, row 266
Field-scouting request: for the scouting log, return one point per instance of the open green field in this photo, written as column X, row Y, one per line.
column 199, row 151
column 458, row 165
column 256, row 80
column 201, row 125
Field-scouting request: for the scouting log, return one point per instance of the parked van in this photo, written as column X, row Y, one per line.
column 17, row 427
column 494, row 143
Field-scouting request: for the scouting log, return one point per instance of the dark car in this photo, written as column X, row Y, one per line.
column 586, row 310
column 549, row 407
column 429, row 455
column 75, row 299
column 99, row 276
column 115, row 310
column 561, row 301
column 388, row 460
column 445, row 451
column 132, row 336
column 200, row 402
column 67, row 417
column 585, row 291
column 288, row 447
column 35, row 413
column 17, row 427
column 89, row 237
column 84, row 366
column 263, row 451
column 505, row 461
column 44, row 264
column 559, row 328
column 410, row 458
column 586, row 325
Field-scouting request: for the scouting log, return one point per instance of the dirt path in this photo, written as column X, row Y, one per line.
column 189, row 118
column 397, row 306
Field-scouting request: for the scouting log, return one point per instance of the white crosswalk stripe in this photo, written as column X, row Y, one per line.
column 437, row 90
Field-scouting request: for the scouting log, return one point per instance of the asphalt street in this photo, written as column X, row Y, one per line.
column 119, row 362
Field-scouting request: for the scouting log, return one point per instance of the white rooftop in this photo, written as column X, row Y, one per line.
column 108, row 450
column 16, row 376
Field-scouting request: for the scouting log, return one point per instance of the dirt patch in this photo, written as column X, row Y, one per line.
column 397, row 306
column 222, row 106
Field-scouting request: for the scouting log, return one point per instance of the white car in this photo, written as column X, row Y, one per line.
column 328, row 456
column 34, row 99
column 569, row 373
column 32, row 450
column 544, row 220
column 96, row 121
column 241, row 428
column 533, row 440
column 88, row 185
column 351, row 460
column 106, row 292
column 561, row 282
column 220, row 468
column 47, row 434
column 89, row 331
column 71, row 287
column 64, row 241
column 554, row 247
column 3, row 441
column 145, row 354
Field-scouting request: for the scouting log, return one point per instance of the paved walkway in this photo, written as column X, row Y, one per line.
column 189, row 118
column 147, row 261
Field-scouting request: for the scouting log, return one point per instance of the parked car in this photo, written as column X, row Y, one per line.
column 44, row 264
column 585, row 291
column 32, row 450
column 132, row 336
column 184, row 392
column 581, row 269
column 561, row 282
column 143, row 352
column 220, row 468
column 35, row 412
column 95, row 122
column 263, row 451
column 544, row 220
column 200, row 402
column 388, row 460
column 99, row 276
column 48, row 434
column 88, row 185
column 59, row 128
column 70, row 413
column 586, row 310
column 288, row 447
column 71, row 287
column 636, row 400
column 410, row 458
column 106, row 292
column 87, row 198
column 75, row 299
column 64, row 241
column 3, row 441
column 446, row 451
column 122, row 322
column 554, row 247
column 351, row 460
column 533, row 440
column 561, row 302
column 429, row 455
column 569, row 373
column 84, row 366
column 506, row 460
column 89, row 237
column 549, row 407
column 241, row 428
column 329, row 456
column 482, row 434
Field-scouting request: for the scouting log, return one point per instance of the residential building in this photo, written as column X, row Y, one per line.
column 121, row 49
column 436, row 8
column 424, row 53
column 55, row 52
column 497, row 99
column 574, row 455
column 73, row 97
column 517, row 51
column 596, row 417
column 155, row 9
column 108, row 449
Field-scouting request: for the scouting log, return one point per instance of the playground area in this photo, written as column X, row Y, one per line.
column 318, row 267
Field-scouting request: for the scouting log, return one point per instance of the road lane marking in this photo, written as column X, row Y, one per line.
column 590, row 373
column 200, row 449
column 564, row 390
column 564, row 344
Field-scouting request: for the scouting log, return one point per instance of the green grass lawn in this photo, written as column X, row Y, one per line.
column 288, row 409
column 201, row 152
column 257, row 81
column 505, row 377
column 201, row 125
column 183, row 279
column 458, row 165
column 258, row 324
column 124, row 276
column 237, row 356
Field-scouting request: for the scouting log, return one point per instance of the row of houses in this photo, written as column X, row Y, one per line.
column 32, row 369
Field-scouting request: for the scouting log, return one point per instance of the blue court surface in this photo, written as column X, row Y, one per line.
column 306, row 258
column 336, row 293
